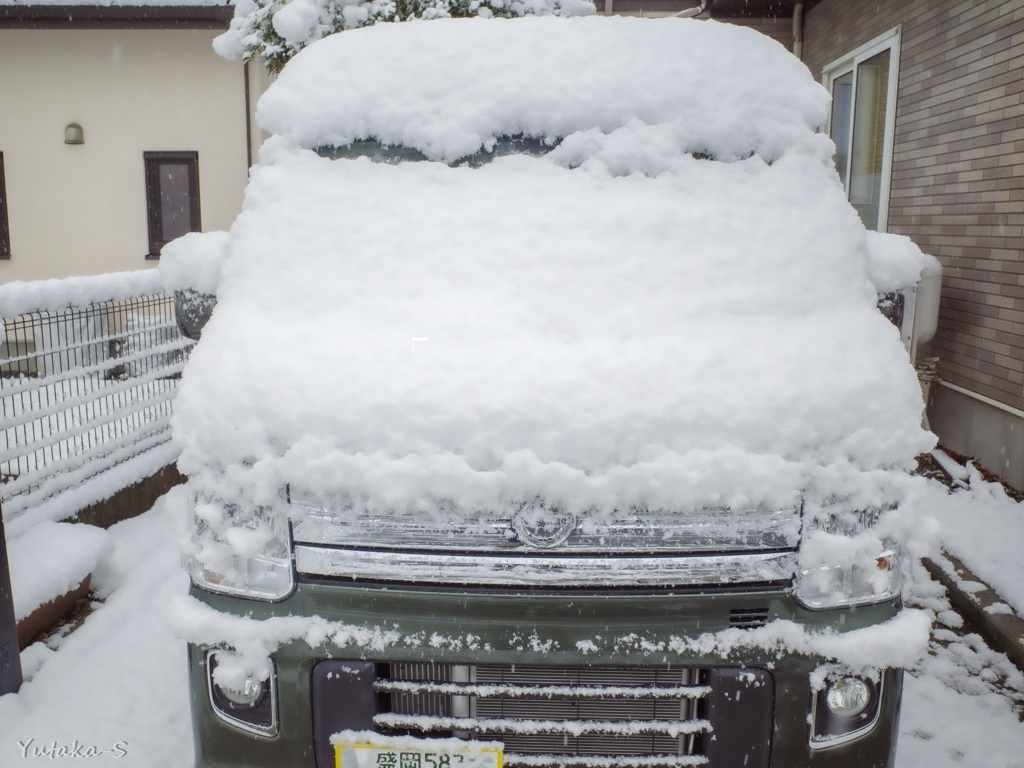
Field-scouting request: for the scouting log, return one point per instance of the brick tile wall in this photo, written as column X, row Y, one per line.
column 958, row 166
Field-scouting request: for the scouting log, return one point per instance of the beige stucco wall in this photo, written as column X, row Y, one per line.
column 80, row 210
column 259, row 81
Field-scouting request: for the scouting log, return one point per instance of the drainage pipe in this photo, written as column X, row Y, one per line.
column 798, row 31
column 691, row 13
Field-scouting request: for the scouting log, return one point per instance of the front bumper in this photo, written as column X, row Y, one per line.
column 759, row 703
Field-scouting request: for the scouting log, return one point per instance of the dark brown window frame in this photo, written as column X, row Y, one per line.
column 153, row 161
column 5, row 225
column 136, row 16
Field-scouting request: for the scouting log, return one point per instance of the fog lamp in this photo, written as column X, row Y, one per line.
column 847, row 708
column 240, row 697
column 247, row 694
column 848, row 697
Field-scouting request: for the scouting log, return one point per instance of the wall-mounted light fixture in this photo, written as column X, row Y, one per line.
column 73, row 134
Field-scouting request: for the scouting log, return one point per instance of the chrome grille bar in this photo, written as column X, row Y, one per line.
column 693, row 531
column 537, row 571
column 427, row 723
column 543, row 691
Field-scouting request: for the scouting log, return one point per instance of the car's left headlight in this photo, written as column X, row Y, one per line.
column 245, row 555
column 844, row 562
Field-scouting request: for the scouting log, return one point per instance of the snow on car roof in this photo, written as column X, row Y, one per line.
column 419, row 334
column 448, row 87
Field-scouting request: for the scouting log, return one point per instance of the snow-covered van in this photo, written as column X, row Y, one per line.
column 546, row 416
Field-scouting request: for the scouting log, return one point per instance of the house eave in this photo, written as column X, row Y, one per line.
column 717, row 9
column 115, row 16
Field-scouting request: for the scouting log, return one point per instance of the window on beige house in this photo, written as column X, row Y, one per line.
column 172, row 197
column 5, row 229
column 863, row 87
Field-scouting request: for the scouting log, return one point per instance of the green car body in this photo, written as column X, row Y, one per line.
column 772, row 730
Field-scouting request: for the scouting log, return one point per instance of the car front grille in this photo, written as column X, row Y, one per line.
column 557, row 716
column 704, row 547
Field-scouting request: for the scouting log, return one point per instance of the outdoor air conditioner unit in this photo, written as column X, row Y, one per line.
column 915, row 309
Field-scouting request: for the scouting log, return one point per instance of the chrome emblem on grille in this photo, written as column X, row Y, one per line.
column 539, row 526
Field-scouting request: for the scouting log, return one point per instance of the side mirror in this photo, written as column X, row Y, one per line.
column 192, row 310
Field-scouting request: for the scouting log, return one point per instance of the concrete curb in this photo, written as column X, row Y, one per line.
column 974, row 599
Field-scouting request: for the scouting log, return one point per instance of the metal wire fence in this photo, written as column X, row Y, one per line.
column 83, row 390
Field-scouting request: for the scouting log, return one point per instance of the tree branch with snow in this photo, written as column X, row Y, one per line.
column 273, row 31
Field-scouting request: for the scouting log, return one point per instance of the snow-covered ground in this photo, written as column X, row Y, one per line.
column 116, row 687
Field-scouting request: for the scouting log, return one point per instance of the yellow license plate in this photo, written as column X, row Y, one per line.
column 439, row 753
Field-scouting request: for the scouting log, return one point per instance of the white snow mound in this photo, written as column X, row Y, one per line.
column 451, row 86
column 193, row 261
column 51, row 559
column 416, row 335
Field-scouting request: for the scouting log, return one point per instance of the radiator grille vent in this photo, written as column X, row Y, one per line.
column 556, row 716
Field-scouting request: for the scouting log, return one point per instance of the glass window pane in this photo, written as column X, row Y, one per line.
column 175, row 202
column 842, row 109
column 868, row 145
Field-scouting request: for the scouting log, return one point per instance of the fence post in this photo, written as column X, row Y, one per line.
column 10, row 658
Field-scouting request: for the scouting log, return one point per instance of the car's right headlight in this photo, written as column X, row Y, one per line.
column 245, row 555
column 843, row 562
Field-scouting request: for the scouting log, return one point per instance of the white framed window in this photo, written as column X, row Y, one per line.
column 863, row 87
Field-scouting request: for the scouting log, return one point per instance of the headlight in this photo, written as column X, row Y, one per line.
column 248, row 555
column 844, row 563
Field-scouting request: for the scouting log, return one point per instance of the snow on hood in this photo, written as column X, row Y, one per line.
column 449, row 87
column 420, row 334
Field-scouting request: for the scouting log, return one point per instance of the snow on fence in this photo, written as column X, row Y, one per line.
column 85, row 395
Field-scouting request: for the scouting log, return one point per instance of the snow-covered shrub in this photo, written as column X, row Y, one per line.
column 276, row 30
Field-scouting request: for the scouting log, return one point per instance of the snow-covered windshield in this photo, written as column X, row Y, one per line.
column 605, row 85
